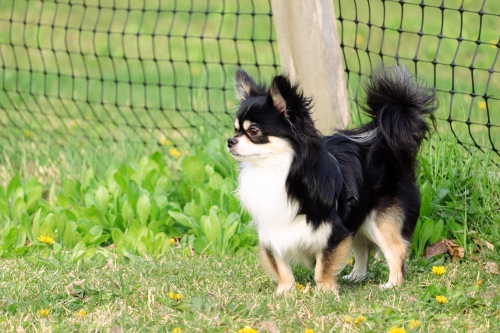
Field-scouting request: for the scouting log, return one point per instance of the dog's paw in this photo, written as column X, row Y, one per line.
column 284, row 287
column 354, row 277
column 386, row 286
column 329, row 286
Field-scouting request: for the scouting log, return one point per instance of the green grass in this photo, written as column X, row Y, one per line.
column 224, row 295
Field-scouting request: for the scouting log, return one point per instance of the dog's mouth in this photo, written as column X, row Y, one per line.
column 240, row 156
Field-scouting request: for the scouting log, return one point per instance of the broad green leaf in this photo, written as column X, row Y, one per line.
column 88, row 177
column 132, row 193
column 34, row 193
column 425, row 234
column 102, row 197
column 14, row 183
column 117, row 236
column 143, row 208
column 127, row 211
column 425, row 208
column 437, row 232
column 122, row 182
column 78, row 251
column 57, row 248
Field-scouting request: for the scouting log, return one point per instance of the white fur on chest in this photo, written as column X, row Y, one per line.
column 262, row 191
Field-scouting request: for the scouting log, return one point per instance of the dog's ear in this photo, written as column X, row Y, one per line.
column 245, row 86
column 280, row 92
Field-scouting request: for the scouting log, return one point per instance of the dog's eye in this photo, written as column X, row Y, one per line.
column 253, row 131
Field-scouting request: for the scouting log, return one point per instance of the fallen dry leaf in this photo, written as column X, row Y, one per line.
column 115, row 329
column 443, row 246
column 491, row 268
column 70, row 289
column 482, row 243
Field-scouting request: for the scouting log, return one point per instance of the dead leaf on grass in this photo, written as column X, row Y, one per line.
column 482, row 243
column 71, row 290
column 444, row 246
column 115, row 329
column 268, row 326
column 491, row 268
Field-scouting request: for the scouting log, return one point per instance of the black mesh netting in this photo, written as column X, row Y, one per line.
column 134, row 70
column 157, row 70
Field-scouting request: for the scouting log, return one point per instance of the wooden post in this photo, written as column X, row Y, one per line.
column 310, row 54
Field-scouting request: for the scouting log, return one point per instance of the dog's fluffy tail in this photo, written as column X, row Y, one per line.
column 398, row 104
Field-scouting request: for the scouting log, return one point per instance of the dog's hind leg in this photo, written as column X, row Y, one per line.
column 361, row 248
column 329, row 264
column 385, row 231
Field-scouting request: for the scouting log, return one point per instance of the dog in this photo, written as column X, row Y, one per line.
column 313, row 198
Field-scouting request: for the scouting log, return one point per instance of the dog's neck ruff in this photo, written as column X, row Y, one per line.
column 262, row 190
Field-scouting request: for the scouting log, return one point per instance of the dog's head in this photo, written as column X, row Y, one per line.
column 268, row 120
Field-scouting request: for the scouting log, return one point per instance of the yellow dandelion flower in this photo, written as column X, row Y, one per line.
column 309, row 330
column 300, row 287
column 81, row 313
column 481, row 105
column 43, row 312
column 350, row 260
column 46, row 240
column 359, row 319
column 441, row 299
column 248, row 329
column 438, row 270
column 174, row 296
column 414, row 324
column 359, row 39
column 348, row 319
column 174, row 152
column 480, row 282
column 177, row 330
column 27, row 134
column 395, row 329
column 171, row 241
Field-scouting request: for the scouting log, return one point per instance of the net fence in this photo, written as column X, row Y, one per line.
column 159, row 70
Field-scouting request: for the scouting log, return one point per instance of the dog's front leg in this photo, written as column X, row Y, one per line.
column 329, row 264
column 278, row 269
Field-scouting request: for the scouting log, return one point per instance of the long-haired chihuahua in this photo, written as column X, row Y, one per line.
column 313, row 198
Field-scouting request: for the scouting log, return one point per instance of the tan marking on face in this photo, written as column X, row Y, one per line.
column 246, row 124
column 236, row 124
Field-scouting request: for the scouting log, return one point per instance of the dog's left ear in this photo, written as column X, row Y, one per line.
column 279, row 92
column 245, row 86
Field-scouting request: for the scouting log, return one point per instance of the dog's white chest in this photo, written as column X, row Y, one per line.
column 262, row 191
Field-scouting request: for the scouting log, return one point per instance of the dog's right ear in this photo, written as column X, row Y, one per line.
column 245, row 86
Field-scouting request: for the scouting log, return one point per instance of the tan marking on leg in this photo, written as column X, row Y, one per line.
column 388, row 225
column 278, row 270
column 329, row 264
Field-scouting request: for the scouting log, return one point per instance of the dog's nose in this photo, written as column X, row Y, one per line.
column 231, row 142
